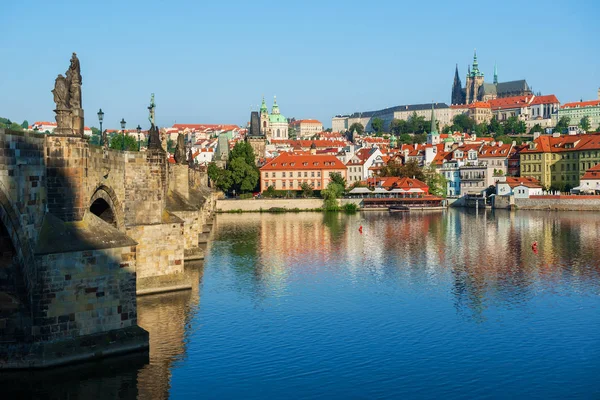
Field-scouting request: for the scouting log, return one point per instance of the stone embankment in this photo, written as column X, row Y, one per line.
column 550, row 203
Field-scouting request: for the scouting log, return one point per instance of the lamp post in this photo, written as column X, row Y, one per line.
column 123, row 130
column 100, row 118
column 139, row 130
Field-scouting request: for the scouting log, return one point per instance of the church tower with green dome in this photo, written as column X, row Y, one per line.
column 273, row 125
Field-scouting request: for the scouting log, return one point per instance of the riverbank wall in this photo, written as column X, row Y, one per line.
column 554, row 203
column 258, row 205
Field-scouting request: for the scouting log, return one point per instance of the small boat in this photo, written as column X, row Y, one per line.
column 398, row 208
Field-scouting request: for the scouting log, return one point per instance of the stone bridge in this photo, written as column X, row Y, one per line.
column 83, row 229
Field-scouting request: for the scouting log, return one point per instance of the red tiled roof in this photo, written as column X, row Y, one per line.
column 590, row 103
column 307, row 143
column 480, row 104
column 546, row 99
column 488, row 151
column 550, row 144
column 510, row 102
column 523, row 180
column 393, row 182
column 288, row 162
column 592, row 173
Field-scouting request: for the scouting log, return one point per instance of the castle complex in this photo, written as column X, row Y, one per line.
column 477, row 90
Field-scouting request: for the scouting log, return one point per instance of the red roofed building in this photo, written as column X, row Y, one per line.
column 359, row 164
column 578, row 110
column 394, row 182
column 590, row 181
column 289, row 171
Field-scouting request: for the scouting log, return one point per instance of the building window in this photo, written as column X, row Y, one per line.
column 283, row 174
column 312, row 174
column 305, row 174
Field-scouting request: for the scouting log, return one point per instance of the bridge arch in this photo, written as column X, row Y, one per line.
column 105, row 204
column 13, row 240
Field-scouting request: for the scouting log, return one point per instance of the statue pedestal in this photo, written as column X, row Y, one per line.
column 64, row 122
column 77, row 121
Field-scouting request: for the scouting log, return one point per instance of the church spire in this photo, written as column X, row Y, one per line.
column 495, row 74
column 263, row 107
column 433, row 124
column 476, row 71
column 457, row 92
column 275, row 108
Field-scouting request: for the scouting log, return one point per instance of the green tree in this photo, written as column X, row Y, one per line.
column 481, row 129
column 438, row 185
column 585, row 124
column 242, row 149
column 25, row 124
column 377, row 124
column 336, row 177
column 358, row 127
column 307, row 190
column 116, row 143
column 520, row 127
column 405, row 138
column 411, row 169
column 330, row 195
column 536, row 128
column 419, row 138
column 398, row 127
column 243, row 175
column 495, row 127
column 562, row 125
column 171, row 145
column 221, row 178
column 510, row 125
column 463, row 123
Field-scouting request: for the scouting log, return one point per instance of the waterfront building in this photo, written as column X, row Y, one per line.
column 273, row 125
column 518, row 186
column 589, row 182
column 358, row 166
column 307, row 128
column 559, row 161
column 289, row 171
column 578, row 110
column 477, row 90
column 404, row 184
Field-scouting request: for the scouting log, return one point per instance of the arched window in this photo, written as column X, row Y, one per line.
column 264, row 124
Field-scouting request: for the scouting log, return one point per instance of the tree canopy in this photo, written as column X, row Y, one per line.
column 377, row 124
column 585, row 124
column 116, row 143
column 241, row 174
column 358, row 127
column 562, row 125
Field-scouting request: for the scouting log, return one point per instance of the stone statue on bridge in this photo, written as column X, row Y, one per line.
column 180, row 149
column 67, row 96
column 154, row 142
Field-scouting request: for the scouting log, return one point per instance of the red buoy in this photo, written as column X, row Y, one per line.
column 360, row 229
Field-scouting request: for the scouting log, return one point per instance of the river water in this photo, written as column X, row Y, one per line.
column 451, row 304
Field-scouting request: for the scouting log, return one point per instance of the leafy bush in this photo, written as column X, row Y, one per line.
column 246, row 196
column 350, row 208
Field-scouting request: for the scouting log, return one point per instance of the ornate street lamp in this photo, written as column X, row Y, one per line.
column 123, row 130
column 139, row 130
column 100, row 118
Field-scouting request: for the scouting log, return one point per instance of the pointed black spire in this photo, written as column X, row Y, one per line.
column 457, row 92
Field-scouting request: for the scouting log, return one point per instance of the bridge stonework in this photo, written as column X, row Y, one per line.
column 84, row 230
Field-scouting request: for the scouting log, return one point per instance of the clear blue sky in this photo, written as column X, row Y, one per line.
column 211, row 61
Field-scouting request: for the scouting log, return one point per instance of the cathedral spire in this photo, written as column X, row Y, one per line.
column 457, row 91
column 263, row 107
column 476, row 65
column 495, row 74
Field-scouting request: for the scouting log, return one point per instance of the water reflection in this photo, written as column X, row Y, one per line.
column 487, row 255
column 302, row 305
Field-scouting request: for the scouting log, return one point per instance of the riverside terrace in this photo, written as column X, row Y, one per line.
column 379, row 198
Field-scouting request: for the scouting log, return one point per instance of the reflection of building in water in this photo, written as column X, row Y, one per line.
column 165, row 317
column 108, row 379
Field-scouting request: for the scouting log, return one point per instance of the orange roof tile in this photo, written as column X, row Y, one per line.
column 576, row 104
column 286, row 162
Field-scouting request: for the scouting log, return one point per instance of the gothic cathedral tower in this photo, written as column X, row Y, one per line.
column 458, row 95
column 474, row 82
